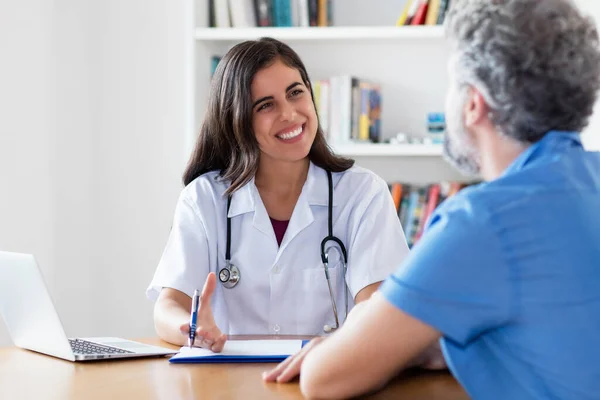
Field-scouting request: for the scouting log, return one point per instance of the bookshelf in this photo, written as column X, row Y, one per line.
column 409, row 63
column 294, row 35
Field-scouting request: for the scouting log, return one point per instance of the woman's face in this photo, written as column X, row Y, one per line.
column 283, row 113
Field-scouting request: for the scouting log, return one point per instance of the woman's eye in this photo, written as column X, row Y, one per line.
column 264, row 106
column 296, row 92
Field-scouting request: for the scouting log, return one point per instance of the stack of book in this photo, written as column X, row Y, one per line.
column 423, row 12
column 415, row 204
column 349, row 109
column 277, row 13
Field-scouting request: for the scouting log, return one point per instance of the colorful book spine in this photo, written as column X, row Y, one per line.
column 433, row 12
column 396, row 190
column 222, row 14
column 375, row 114
column 322, row 16
column 414, row 6
column 356, row 106
column 303, row 13
column 313, row 11
column 242, row 13
column 419, row 18
column 325, row 106
column 214, row 63
column 282, row 13
column 264, row 12
column 444, row 5
column 404, row 15
column 364, row 121
column 433, row 196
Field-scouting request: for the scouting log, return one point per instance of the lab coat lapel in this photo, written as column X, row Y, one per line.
column 242, row 201
column 247, row 199
column 261, row 219
column 302, row 217
column 314, row 193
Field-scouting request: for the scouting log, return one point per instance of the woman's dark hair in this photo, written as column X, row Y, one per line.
column 226, row 141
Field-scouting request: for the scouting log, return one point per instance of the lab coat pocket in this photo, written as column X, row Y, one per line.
column 315, row 308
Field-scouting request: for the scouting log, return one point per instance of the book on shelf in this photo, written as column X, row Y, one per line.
column 242, row 14
column 269, row 13
column 444, row 6
column 214, row 62
column 349, row 109
column 423, row 12
column 416, row 203
column 264, row 12
column 313, row 12
column 219, row 13
column 282, row 13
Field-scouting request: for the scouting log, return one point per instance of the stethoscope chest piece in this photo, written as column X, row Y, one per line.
column 229, row 276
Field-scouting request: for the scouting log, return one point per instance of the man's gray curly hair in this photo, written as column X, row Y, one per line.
column 536, row 62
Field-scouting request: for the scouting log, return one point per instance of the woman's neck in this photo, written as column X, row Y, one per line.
column 280, row 185
column 281, row 177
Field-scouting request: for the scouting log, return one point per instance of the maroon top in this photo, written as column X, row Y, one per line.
column 279, row 227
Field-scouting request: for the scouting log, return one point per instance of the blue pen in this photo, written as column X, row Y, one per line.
column 193, row 317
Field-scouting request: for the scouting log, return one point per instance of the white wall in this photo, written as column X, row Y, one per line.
column 94, row 99
column 141, row 64
column 26, row 132
column 70, row 150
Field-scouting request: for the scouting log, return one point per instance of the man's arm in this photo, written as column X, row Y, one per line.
column 366, row 353
column 366, row 292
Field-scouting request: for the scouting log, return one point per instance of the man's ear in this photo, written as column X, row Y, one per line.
column 476, row 108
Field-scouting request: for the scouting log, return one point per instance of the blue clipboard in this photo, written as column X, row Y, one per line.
column 246, row 351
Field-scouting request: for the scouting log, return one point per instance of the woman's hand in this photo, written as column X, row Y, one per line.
column 290, row 367
column 208, row 334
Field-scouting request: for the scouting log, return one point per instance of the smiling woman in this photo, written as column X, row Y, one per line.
column 260, row 100
column 291, row 229
column 284, row 116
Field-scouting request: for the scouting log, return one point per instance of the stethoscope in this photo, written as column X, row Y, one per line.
column 229, row 275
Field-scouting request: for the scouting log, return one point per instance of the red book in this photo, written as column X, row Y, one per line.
column 421, row 14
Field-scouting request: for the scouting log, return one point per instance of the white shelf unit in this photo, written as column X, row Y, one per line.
column 322, row 34
column 409, row 63
column 388, row 150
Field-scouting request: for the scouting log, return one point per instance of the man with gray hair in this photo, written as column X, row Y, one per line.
column 507, row 273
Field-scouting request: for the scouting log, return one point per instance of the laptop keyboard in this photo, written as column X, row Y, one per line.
column 84, row 347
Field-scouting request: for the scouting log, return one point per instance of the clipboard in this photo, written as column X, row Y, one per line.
column 241, row 351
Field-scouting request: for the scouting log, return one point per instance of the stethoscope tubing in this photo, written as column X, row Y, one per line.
column 230, row 275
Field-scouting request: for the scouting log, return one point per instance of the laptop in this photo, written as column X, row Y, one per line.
column 34, row 324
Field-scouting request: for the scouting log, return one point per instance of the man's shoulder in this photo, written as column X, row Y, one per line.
column 477, row 203
column 504, row 192
column 514, row 193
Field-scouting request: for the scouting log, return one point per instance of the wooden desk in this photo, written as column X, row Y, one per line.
column 28, row 375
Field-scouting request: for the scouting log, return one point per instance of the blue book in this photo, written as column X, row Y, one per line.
column 282, row 13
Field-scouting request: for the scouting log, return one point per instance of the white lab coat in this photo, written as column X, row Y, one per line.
column 282, row 289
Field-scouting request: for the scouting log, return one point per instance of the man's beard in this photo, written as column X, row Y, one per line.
column 459, row 159
column 460, row 153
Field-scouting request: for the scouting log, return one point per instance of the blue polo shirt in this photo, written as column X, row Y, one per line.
column 509, row 272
